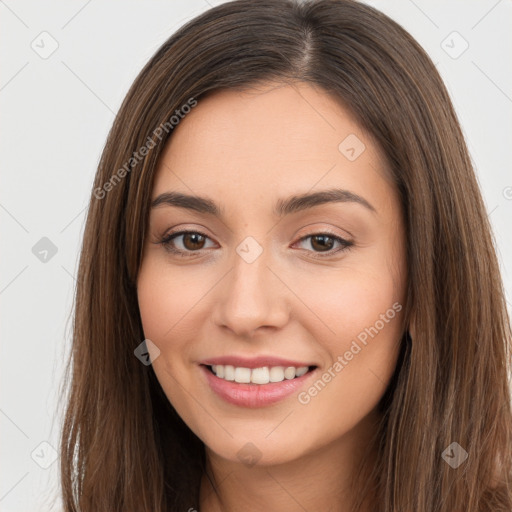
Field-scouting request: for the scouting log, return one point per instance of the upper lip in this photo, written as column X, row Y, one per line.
column 254, row 362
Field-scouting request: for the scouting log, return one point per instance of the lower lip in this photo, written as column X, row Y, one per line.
column 254, row 395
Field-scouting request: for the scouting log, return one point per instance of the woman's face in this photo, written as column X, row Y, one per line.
column 268, row 281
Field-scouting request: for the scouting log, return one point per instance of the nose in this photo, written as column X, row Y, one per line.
column 251, row 297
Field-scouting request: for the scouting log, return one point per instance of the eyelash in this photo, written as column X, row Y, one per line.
column 166, row 242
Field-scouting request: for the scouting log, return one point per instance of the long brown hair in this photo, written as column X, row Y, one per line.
column 124, row 447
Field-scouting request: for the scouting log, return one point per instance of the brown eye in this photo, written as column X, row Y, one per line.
column 185, row 243
column 325, row 243
column 193, row 241
column 322, row 242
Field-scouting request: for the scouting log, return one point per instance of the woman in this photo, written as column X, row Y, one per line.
column 288, row 295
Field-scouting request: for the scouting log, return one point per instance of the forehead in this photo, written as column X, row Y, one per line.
column 255, row 143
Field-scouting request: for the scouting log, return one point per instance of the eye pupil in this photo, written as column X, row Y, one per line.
column 195, row 237
column 323, row 245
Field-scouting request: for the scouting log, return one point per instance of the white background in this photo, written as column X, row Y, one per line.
column 55, row 116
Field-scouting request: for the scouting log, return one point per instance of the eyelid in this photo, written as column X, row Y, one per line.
column 325, row 231
column 316, row 228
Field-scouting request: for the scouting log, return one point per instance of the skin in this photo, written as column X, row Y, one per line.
column 244, row 150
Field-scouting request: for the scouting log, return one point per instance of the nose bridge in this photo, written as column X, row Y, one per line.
column 252, row 296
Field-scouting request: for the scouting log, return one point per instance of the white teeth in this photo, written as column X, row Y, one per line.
column 289, row 373
column 243, row 375
column 229, row 372
column 262, row 375
column 276, row 374
column 299, row 372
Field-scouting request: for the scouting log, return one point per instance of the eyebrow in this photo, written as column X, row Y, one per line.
column 282, row 207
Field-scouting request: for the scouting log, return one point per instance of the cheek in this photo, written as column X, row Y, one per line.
column 168, row 299
column 164, row 299
column 345, row 303
column 362, row 356
column 359, row 326
column 360, row 332
column 166, row 303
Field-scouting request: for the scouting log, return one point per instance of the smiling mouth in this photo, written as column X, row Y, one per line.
column 258, row 376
